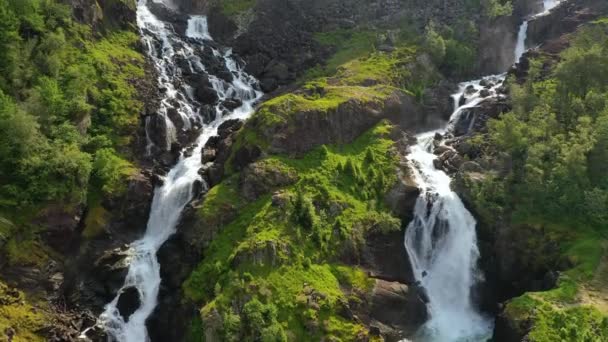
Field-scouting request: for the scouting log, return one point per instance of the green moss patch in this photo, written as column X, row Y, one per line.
column 18, row 316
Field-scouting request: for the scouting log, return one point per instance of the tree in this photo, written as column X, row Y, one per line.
column 494, row 8
column 434, row 44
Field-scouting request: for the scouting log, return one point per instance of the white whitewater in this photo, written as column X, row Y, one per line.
column 441, row 240
column 522, row 35
column 177, row 190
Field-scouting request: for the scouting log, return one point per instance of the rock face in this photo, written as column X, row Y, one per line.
column 397, row 310
column 564, row 18
column 277, row 38
column 308, row 129
column 498, row 37
column 385, row 257
column 105, row 14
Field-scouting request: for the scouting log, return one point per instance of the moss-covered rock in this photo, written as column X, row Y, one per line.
column 316, row 239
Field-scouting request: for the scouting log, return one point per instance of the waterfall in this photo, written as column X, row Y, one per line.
column 441, row 240
column 163, row 47
column 522, row 35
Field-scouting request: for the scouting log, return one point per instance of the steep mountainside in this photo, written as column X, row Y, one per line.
column 294, row 219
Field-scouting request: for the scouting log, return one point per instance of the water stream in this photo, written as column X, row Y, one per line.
column 441, row 240
column 163, row 47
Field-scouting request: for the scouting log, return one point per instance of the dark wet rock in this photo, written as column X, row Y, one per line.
column 245, row 156
column 229, row 127
column 385, row 258
column 474, row 119
column 129, row 301
column 232, row 104
column 396, row 309
column 208, row 155
column 176, row 118
column 402, row 198
column 164, row 13
column 510, row 329
column 158, row 130
column 208, row 113
column 268, row 84
column 204, row 92
column 213, row 174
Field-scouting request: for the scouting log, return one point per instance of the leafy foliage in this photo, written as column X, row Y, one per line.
column 554, row 145
column 64, row 95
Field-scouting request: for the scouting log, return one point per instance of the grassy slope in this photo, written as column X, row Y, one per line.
column 286, row 253
column 306, row 254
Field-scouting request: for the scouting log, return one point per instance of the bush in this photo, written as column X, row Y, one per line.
column 434, row 44
column 111, row 171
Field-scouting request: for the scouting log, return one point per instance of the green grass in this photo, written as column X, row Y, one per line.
column 348, row 44
column 296, row 256
column 554, row 323
column 560, row 313
column 234, row 7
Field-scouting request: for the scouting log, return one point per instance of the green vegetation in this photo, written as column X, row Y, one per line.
column 497, row 8
column 234, row 7
column 279, row 256
column 555, row 141
column 69, row 109
column 453, row 51
column 348, row 44
column 20, row 317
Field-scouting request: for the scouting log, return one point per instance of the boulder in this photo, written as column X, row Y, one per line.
column 260, row 178
column 232, row 104
column 384, row 257
column 110, row 270
column 203, row 90
column 129, row 300
column 396, row 309
column 402, row 197
column 229, row 127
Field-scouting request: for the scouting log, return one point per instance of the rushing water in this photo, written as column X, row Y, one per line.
column 163, row 46
column 522, row 35
column 441, row 240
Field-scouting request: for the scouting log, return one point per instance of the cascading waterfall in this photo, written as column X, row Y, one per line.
column 441, row 240
column 522, row 35
column 163, row 46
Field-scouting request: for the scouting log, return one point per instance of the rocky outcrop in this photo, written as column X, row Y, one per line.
column 384, row 257
column 277, row 38
column 307, row 129
column 397, row 310
column 219, row 149
column 565, row 18
column 260, row 178
column 105, row 14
